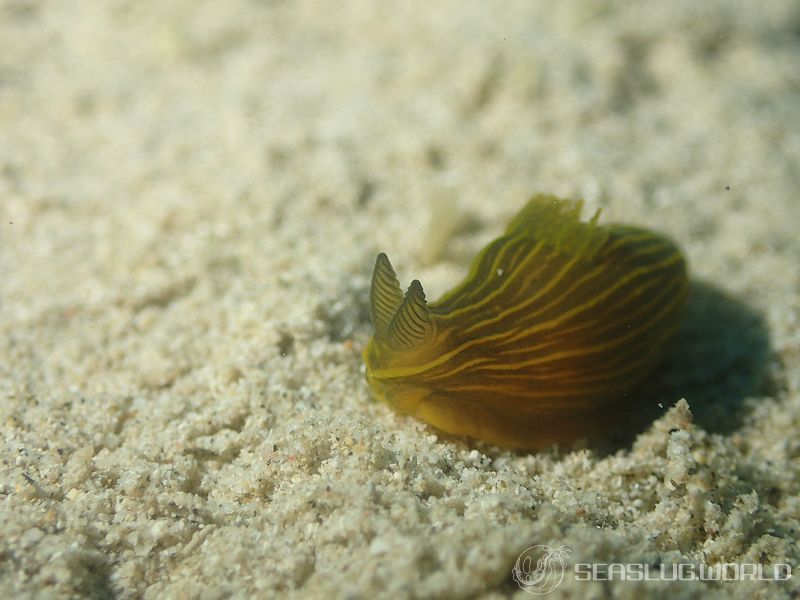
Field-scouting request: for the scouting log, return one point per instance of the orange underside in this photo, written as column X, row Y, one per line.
column 509, row 428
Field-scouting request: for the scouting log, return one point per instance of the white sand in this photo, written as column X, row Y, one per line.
column 191, row 199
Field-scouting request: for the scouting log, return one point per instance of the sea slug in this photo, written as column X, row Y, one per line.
column 557, row 320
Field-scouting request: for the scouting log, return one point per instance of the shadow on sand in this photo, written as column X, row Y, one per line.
column 717, row 360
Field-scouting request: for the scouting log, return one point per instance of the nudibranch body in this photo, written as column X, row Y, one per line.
column 557, row 320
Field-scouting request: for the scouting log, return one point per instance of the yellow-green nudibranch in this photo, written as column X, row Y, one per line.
column 557, row 320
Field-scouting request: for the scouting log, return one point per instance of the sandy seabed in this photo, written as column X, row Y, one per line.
column 192, row 195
